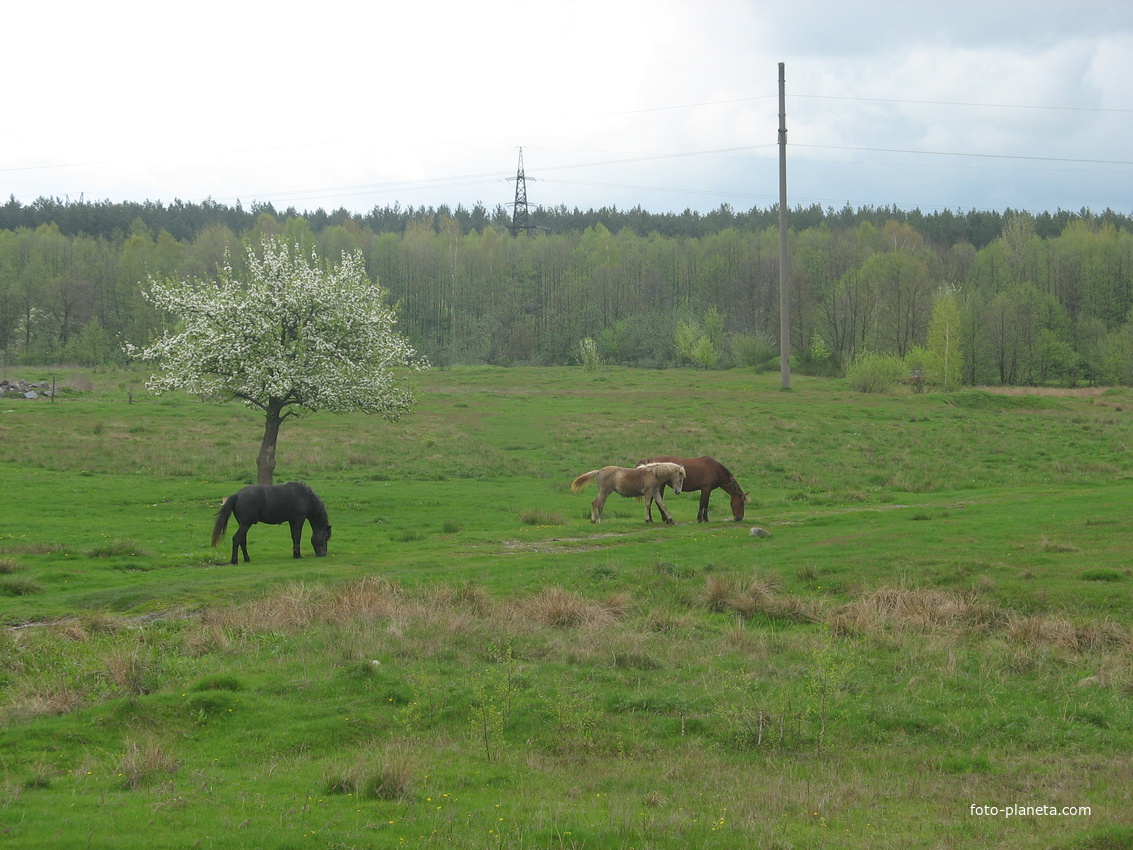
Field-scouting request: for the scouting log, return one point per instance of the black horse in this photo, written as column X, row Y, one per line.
column 293, row 503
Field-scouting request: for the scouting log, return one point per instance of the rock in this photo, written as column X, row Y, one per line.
column 25, row 389
column 759, row 532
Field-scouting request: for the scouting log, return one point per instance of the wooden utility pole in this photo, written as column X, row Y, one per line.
column 784, row 267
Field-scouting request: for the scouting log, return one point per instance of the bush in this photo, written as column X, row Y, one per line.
column 875, row 373
column 752, row 350
column 588, row 354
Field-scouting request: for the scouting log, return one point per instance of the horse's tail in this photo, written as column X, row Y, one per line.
column 221, row 524
column 583, row 480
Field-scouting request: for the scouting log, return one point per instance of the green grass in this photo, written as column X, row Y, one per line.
column 940, row 618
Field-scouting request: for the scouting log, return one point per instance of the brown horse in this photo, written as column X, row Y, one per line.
column 706, row 474
column 644, row 481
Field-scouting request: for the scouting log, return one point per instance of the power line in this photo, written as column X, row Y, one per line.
column 684, row 106
column 712, row 192
column 493, row 176
column 972, row 155
column 964, row 103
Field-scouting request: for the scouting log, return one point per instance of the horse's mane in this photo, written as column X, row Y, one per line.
column 662, row 468
column 318, row 514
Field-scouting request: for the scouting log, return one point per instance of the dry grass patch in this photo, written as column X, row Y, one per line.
column 912, row 609
column 298, row 606
column 554, row 606
column 370, row 598
column 538, row 517
column 1046, row 630
column 437, row 611
column 759, row 596
column 1048, row 545
column 938, row 611
column 387, row 776
column 45, row 699
column 1047, row 392
column 144, row 763
column 468, row 597
column 72, row 630
column 128, row 670
column 19, row 585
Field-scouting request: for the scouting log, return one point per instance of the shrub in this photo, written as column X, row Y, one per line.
column 588, row 354
column 872, row 372
column 752, row 350
column 704, row 354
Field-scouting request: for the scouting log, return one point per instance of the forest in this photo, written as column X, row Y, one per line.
column 1020, row 298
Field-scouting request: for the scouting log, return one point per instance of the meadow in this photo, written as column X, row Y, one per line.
column 939, row 623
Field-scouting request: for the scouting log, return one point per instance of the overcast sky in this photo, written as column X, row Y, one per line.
column 659, row 104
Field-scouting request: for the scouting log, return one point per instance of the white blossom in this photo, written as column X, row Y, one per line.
column 290, row 334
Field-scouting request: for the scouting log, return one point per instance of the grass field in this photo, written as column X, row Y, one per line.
column 940, row 620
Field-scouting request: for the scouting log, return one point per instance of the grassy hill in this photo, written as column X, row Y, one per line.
column 940, row 619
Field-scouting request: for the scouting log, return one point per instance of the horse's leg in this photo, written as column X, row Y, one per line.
column 597, row 505
column 702, row 514
column 240, row 543
column 649, row 502
column 296, row 536
column 668, row 517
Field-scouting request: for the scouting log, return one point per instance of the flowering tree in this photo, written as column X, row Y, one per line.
column 286, row 338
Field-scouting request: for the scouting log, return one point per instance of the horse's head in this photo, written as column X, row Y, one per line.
column 319, row 538
column 677, row 479
column 739, row 499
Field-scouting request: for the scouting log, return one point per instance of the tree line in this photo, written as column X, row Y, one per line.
column 185, row 220
column 1023, row 298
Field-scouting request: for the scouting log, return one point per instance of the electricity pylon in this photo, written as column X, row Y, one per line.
column 520, row 220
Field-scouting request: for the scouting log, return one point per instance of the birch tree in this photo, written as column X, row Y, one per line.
column 286, row 337
column 944, row 338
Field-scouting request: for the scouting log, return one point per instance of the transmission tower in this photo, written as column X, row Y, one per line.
column 520, row 220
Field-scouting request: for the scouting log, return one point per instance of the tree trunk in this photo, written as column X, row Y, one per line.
column 265, row 461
